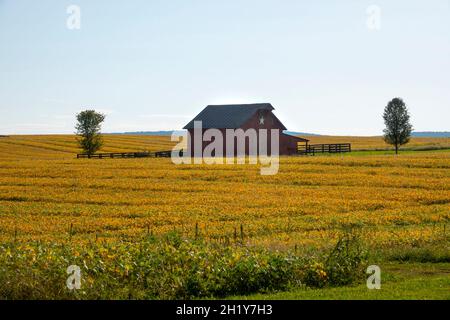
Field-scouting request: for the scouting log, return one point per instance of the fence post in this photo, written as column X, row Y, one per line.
column 196, row 231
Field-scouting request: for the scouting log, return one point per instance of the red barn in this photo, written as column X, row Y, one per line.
column 243, row 116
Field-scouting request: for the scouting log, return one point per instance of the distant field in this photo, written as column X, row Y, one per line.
column 65, row 146
column 394, row 201
column 377, row 143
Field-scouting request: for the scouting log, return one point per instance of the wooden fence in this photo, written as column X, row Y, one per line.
column 146, row 154
column 324, row 148
column 301, row 150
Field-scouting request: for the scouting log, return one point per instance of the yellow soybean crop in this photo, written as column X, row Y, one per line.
column 46, row 194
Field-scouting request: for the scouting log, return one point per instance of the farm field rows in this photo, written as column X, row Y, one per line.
column 45, row 192
column 65, row 146
column 377, row 143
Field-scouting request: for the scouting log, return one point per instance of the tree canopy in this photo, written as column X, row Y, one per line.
column 88, row 129
column 398, row 128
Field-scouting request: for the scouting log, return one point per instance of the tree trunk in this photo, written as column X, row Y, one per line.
column 396, row 149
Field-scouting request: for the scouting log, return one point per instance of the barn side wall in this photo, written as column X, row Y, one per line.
column 287, row 144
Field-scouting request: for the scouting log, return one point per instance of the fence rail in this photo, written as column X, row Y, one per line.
column 324, row 148
column 145, row 154
column 301, row 149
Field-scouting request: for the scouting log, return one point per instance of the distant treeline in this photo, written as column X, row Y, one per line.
column 423, row 134
column 153, row 133
column 181, row 132
column 432, row 134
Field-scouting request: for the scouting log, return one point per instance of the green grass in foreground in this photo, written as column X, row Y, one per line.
column 398, row 281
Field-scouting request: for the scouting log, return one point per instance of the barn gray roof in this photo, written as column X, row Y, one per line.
column 227, row 116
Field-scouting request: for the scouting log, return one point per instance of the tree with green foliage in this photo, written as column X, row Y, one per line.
column 396, row 118
column 88, row 129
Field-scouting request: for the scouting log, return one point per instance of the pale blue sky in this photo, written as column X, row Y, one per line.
column 153, row 65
